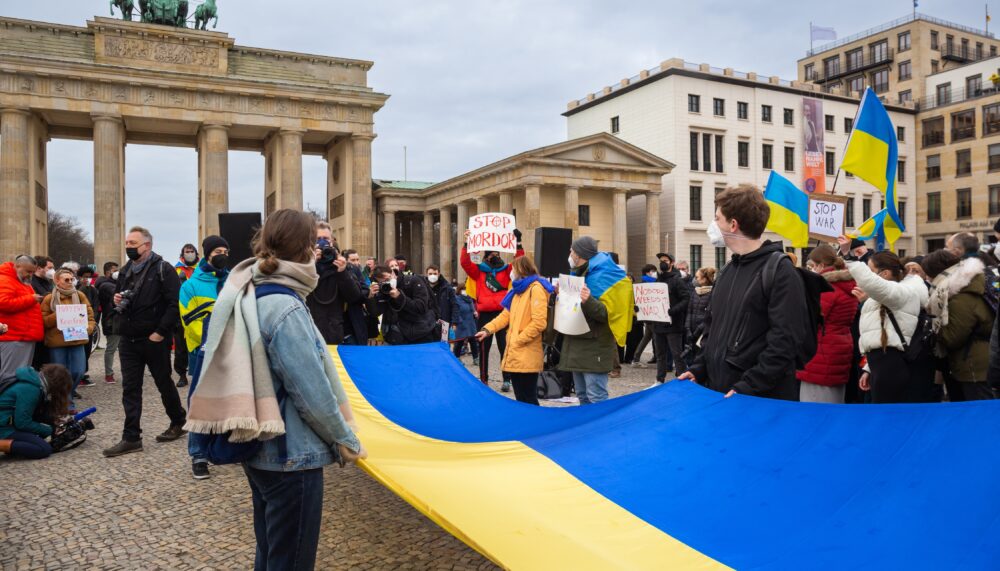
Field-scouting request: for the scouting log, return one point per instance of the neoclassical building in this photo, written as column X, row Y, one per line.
column 585, row 184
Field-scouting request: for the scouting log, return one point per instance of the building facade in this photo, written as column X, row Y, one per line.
column 724, row 128
column 958, row 163
column 894, row 59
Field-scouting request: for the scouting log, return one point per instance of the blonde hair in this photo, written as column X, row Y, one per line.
column 708, row 274
column 524, row 266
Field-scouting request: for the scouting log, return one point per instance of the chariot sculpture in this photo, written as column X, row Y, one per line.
column 168, row 12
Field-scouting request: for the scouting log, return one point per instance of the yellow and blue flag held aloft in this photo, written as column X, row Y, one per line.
column 789, row 210
column 881, row 227
column 872, row 153
column 610, row 284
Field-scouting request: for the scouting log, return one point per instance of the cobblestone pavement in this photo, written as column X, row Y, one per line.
column 79, row 510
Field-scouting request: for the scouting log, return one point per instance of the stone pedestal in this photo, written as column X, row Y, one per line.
column 362, row 209
column 109, row 189
column 213, row 177
column 572, row 219
column 447, row 252
column 619, row 242
column 653, row 226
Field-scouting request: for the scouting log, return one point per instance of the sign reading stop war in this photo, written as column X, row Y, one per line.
column 653, row 301
column 827, row 214
column 492, row 231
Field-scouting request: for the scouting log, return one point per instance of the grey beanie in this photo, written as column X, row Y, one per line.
column 585, row 247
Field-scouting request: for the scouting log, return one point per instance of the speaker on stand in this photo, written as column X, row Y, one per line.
column 551, row 250
column 239, row 228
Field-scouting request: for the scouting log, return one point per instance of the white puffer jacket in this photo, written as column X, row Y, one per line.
column 904, row 298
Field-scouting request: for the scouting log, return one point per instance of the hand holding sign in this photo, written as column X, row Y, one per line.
column 827, row 216
column 653, row 301
column 491, row 231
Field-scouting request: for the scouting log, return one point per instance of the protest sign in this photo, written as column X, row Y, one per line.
column 569, row 315
column 492, row 231
column 827, row 214
column 653, row 301
column 68, row 316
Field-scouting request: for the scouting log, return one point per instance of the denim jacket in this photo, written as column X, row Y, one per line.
column 313, row 422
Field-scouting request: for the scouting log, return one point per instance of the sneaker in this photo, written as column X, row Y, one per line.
column 200, row 470
column 77, row 395
column 614, row 374
column 475, row 361
column 651, row 361
column 109, row 379
column 654, row 385
column 637, row 364
column 569, row 400
column 183, row 382
column 505, row 387
column 123, row 447
column 173, row 433
column 86, row 382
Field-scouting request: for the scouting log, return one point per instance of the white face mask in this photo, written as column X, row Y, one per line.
column 572, row 263
column 715, row 235
column 514, row 276
column 392, row 283
column 190, row 257
column 684, row 274
column 652, row 275
column 433, row 278
column 114, row 276
column 50, row 274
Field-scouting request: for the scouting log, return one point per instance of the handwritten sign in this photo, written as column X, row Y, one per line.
column 653, row 301
column 827, row 215
column 493, row 232
column 68, row 316
column 569, row 315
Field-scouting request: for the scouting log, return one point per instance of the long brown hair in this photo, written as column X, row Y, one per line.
column 826, row 256
column 887, row 261
column 59, row 383
column 287, row 235
column 524, row 267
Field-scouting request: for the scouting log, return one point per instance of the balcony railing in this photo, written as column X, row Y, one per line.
column 956, row 95
column 889, row 25
column 866, row 62
column 962, row 133
column 962, row 54
column 933, row 138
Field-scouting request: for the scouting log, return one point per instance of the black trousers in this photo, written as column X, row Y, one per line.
column 501, row 337
column 525, row 386
column 890, row 376
column 180, row 353
column 136, row 355
column 668, row 347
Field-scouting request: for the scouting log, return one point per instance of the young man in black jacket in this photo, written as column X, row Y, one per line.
column 751, row 335
column 106, row 286
column 404, row 304
column 146, row 300
column 336, row 288
column 669, row 337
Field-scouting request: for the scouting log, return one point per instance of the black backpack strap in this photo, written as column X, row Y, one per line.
column 895, row 325
column 771, row 270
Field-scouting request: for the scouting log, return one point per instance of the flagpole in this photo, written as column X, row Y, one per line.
column 835, row 179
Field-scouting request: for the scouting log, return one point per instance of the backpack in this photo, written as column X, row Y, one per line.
column 923, row 339
column 814, row 285
column 992, row 294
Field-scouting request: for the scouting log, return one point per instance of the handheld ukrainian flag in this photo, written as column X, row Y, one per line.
column 872, row 153
column 881, row 227
column 610, row 284
column 789, row 210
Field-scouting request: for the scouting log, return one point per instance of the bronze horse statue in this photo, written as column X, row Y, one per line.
column 163, row 12
column 126, row 7
column 204, row 13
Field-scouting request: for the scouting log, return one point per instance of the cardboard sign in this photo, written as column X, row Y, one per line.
column 827, row 215
column 653, row 301
column 569, row 315
column 492, row 231
column 69, row 316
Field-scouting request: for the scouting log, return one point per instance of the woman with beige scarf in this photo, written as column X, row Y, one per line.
column 67, row 347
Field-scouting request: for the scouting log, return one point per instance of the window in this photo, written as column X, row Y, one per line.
column 901, row 134
column 880, row 81
column 742, row 110
column 949, row 43
column 831, row 161
column 993, row 160
column 765, row 155
column 943, row 93
column 934, row 40
column 848, row 174
column 850, row 212
column 905, row 70
column 993, row 51
column 994, row 193
column 720, row 258
column 933, row 167
column 583, row 214
column 856, row 84
column 706, row 152
column 694, row 151
column 695, row 256
column 973, row 86
column 743, row 153
column 963, row 162
column 904, row 41
column 979, row 50
column 901, row 171
column 866, row 208
column 991, row 119
column 719, row 107
column 933, row 131
column 765, row 113
column 694, row 103
column 934, row 66
column 718, row 153
column 809, row 71
column 963, row 125
column 694, row 202
column 848, row 124
column 789, row 116
column 614, row 125
column 905, row 96
column 828, row 121
column 934, row 207
column 789, row 159
column 879, row 51
column 963, row 203
column 855, row 59
column 831, row 66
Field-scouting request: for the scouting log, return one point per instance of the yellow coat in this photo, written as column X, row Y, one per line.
column 525, row 323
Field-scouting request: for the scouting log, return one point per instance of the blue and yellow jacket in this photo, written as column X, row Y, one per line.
column 197, row 299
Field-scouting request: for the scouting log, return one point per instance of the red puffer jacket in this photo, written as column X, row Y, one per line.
column 18, row 308
column 486, row 298
column 831, row 366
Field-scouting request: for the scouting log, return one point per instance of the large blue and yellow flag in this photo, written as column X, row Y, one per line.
column 610, row 284
column 789, row 210
column 678, row 477
column 881, row 227
column 872, row 153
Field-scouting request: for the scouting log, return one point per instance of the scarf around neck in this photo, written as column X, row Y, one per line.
column 58, row 294
column 521, row 286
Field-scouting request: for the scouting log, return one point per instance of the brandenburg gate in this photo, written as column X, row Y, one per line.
column 118, row 82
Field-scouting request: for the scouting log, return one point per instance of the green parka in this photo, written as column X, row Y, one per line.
column 594, row 351
column 966, row 337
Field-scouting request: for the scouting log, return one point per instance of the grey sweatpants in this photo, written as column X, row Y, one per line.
column 811, row 392
column 14, row 355
column 109, row 354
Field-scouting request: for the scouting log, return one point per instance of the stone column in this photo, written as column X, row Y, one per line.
column 109, row 189
column 290, row 189
column 447, row 256
column 532, row 217
column 652, row 226
column 462, row 222
column 213, row 174
column 417, row 243
column 572, row 220
column 15, row 184
column 362, row 229
column 506, row 202
column 482, row 205
column 428, row 238
column 389, row 234
column 619, row 225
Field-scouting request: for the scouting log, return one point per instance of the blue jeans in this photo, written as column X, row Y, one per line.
column 591, row 387
column 74, row 359
column 196, row 442
column 287, row 509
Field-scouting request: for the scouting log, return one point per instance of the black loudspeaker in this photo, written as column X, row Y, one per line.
column 239, row 228
column 551, row 250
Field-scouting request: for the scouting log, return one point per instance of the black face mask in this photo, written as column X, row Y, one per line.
column 395, row 272
column 219, row 261
column 495, row 262
column 132, row 253
column 665, row 267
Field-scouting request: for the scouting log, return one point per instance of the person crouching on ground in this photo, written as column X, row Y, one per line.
column 44, row 397
column 524, row 316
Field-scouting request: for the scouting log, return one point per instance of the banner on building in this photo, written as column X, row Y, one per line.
column 814, row 157
column 492, row 232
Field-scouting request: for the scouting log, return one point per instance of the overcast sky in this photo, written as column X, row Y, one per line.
column 470, row 82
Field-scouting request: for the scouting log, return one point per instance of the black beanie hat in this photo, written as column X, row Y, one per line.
column 212, row 242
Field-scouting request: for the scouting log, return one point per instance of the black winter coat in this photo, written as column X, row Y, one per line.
column 697, row 308
column 154, row 307
column 750, row 335
column 326, row 302
column 444, row 295
column 409, row 318
column 106, row 300
column 356, row 319
column 680, row 294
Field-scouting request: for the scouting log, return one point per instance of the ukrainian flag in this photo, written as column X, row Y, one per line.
column 872, row 153
column 789, row 210
column 610, row 284
column 880, row 227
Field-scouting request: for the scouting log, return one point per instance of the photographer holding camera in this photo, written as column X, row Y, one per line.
column 336, row 287
column 146, row 301
column 30, row 405
column 404, row 304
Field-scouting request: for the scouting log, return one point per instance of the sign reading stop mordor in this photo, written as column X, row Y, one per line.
column 492, row 232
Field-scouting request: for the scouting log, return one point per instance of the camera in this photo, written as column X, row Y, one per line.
column 127, row 297
column 72, row 432
column 328, row 250
column 384, row 288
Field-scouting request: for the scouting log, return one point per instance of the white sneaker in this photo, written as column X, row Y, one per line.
column 570, row 400
column 653, row 386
